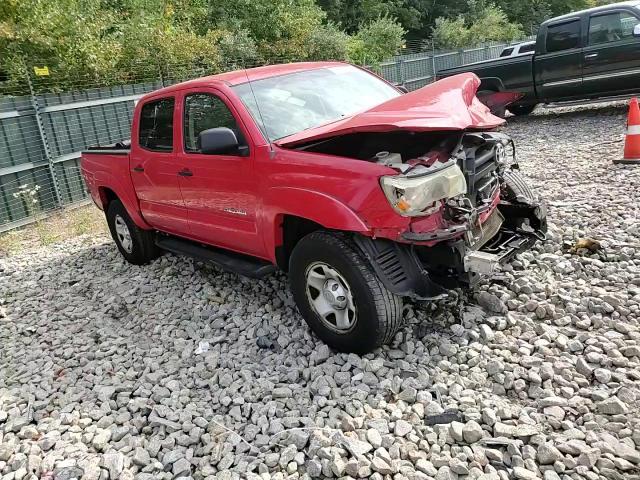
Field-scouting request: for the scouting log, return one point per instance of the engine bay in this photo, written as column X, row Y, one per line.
column 398, row 149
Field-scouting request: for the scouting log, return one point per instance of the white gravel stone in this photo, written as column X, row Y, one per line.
column 547, row 454
column 472, row 432
column 612, row 406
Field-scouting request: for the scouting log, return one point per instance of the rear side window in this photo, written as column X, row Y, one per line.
column 563, row 36
column 203, row 111
column 528, row 48
column 156, row 125
column 506, row 52
column 611, row 27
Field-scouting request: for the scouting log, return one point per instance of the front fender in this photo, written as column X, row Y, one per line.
column 318, row 207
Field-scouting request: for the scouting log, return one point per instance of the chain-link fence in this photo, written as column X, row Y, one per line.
column 46, row 121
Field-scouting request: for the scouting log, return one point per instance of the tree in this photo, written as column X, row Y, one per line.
column 375, row 42
column 91, row 43
column 327, row 42
column 481, row 24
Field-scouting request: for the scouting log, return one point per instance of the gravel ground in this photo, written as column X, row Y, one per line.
column 104, row 373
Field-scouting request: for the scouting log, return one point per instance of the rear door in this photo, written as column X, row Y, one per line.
column 220, row 191
column 153, row 167
column 558, row 67
column 612, row 54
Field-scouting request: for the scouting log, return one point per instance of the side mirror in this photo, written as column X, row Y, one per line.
column 636, row 30
column 219, row 141
column 402, row 88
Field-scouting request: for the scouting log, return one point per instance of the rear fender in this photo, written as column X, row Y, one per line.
column 124, row 192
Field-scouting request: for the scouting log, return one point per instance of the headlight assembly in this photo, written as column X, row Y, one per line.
column 415, row 196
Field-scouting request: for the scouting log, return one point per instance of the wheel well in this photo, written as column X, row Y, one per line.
column 293, row 230
column 490, row 84
column 107, row 196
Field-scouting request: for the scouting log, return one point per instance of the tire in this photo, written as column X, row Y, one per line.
column 517, row 189
column 141, row 248
column 374, row 314
column 521, row 110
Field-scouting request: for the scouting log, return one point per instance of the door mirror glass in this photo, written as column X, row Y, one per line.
column 636, row 30
column 218, row 141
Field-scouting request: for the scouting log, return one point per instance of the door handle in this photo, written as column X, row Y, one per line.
column 138, row 168
column 185, row 172
column 591, row 55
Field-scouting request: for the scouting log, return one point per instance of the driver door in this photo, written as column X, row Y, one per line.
column 612, row 55
column 219, row 190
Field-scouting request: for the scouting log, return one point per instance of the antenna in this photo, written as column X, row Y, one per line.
column 255, row 99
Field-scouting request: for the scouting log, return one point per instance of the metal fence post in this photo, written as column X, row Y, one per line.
column 434, row 73
column 400, row 70
column 43, row 135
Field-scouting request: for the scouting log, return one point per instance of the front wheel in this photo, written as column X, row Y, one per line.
column 340, row 296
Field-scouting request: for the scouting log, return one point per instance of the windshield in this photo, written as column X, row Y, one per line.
column 299, row 101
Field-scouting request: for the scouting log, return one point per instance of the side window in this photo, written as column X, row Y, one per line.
column 156, row 125
column 611, row 27
column 506, row 52
column 203, row 111
column 563, row 36
column 528, row 48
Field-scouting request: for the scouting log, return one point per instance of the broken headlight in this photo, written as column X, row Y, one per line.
column 415, row 196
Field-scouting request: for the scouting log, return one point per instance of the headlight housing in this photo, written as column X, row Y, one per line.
column 415, row 196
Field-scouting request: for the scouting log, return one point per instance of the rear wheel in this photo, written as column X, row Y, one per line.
column 136, row 245
column 521, row 110
column 340, row 296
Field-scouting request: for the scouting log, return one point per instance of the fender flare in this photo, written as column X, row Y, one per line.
column 311, row 205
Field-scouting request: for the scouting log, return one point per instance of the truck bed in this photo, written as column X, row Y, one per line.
column 108, row 165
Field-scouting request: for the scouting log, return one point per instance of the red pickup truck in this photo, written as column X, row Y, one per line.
column 364, row 194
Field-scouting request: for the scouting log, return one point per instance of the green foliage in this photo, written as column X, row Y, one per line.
column 418, row 17
column 92, row 42
column 351, row 14
column 238, row 49
column 482, row 24
column 375, row 42
column 327, row 42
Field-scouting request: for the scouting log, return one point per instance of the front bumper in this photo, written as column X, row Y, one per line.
column 426, row 273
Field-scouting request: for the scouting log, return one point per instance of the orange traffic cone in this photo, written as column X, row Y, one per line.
column 632, row 140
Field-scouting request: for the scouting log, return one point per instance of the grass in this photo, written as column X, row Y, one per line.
column 63, row 225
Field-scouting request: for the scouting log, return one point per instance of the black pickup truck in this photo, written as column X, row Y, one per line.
column 589, row 54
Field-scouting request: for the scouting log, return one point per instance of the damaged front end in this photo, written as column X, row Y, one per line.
column 487, row 215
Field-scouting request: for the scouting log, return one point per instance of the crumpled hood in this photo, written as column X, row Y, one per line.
column 448, row 104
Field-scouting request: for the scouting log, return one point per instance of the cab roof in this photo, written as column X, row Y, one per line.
column 603, row 8
column 238, row 77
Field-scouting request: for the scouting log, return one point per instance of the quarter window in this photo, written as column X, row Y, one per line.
column 563, row 36
column 611, row 27
column 204, row 111
column 506, row 52
column 156, row 125
column 528, row 48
